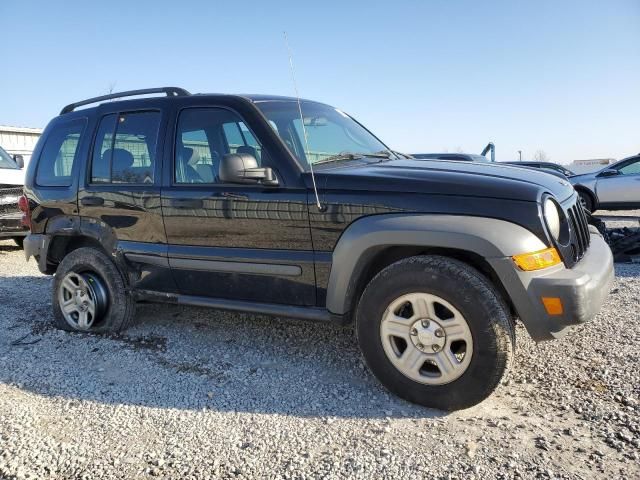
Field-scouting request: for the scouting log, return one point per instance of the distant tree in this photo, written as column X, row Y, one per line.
column 541, row 156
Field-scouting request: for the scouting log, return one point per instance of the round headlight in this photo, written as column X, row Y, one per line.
column 552, row 217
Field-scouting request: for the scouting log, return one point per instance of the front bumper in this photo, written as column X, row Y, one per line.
column 582, row 290
column 11, row 226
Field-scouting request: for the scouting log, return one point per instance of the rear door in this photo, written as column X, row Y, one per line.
column 119, row 201
column 233, row 241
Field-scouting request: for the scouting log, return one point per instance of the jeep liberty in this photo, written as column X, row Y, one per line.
column 292, row 208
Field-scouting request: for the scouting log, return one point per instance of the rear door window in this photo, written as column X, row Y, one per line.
column 125, row 148
column 59, row 154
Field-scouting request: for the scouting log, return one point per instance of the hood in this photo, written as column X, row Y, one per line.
column 445, row 178
column 12, row 176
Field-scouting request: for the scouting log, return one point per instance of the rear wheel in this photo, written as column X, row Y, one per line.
column 434, row 331
column 89, row 294
column 19, row 241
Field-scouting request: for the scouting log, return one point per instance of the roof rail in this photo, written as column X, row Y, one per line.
column 170, row 91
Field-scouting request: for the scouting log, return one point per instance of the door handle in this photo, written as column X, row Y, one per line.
column 92, row 201
column 186, row 203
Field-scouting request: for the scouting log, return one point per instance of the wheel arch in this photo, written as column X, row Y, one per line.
column 372, row 243
column 67, row 235
column 588, row 191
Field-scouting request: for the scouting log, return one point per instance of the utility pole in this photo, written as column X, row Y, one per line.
column 520, row 153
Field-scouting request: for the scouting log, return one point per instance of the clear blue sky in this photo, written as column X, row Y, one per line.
column 562, row 76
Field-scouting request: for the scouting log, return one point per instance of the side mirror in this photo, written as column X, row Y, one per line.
column 243, row 168
column 609, row 172
column 19, row 159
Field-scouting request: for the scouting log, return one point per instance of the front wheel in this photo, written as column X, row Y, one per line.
column 435, row 332
column 586, row 201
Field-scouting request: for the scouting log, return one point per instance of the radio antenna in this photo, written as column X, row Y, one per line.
column 304, row 129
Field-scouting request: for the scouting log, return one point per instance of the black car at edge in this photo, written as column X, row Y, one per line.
column 291, row 208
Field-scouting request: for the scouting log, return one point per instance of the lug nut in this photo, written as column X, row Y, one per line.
column 425, row 323
column 439, row 333
column 414, row 331
column 420, row 346
column 435, row 347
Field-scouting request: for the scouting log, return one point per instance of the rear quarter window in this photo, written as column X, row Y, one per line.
column 59, row 154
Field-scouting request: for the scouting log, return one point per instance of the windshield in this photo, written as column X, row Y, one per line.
column 331, row 134
column 6, row 161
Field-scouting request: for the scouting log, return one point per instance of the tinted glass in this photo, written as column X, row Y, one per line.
column 203, row 137
column 125, row 148
column 631, row 168
column 238, row 136
column 329, row 131
column 101, row 163
column 59, row 154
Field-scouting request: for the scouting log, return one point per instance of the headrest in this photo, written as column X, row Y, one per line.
column 121, row 158
column 191, row 156
column 247, row 149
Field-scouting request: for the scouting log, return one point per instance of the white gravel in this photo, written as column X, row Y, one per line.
column 195, row 393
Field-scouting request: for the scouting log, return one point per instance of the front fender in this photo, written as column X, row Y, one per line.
column 487, row 237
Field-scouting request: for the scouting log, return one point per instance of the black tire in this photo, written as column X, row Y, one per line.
column 120, row 306
column 473, row 296
column 587, row 200
column 19, row 241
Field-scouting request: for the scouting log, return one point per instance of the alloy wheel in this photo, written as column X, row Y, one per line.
column 426, row 338
column 83, row 300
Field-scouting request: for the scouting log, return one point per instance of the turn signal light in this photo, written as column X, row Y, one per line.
column 553, row 305
column 537, row 260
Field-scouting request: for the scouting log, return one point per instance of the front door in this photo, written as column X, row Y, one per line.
column 621, row 189
column 242, row 242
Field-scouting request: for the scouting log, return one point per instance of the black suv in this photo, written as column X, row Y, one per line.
column 291, row 208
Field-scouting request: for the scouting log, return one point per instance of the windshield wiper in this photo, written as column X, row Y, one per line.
column 353, row 156
column 339, row 157
column 380, row 154
column 400, row 154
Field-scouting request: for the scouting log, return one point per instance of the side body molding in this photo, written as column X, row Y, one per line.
column 487, row 237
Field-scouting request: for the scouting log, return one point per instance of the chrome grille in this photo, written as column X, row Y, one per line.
column 580, row 236
column 9, row 200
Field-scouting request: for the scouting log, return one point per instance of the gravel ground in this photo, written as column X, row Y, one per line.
column 195, row 393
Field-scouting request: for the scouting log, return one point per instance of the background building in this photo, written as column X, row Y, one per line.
column 19, row 140
column 589, row 165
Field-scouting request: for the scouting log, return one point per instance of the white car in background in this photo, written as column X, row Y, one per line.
column 11, row 185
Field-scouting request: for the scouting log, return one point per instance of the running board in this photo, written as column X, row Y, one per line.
column 313, row 314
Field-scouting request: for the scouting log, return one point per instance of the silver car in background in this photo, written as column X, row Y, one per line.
column 615, row 187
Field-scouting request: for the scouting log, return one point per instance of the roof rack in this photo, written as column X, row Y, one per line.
column 170, row 91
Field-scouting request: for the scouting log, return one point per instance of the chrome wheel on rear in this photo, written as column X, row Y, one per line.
column 426, row 338
column 83, row 300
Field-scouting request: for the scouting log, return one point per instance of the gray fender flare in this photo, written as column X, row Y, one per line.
column 359, row 243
